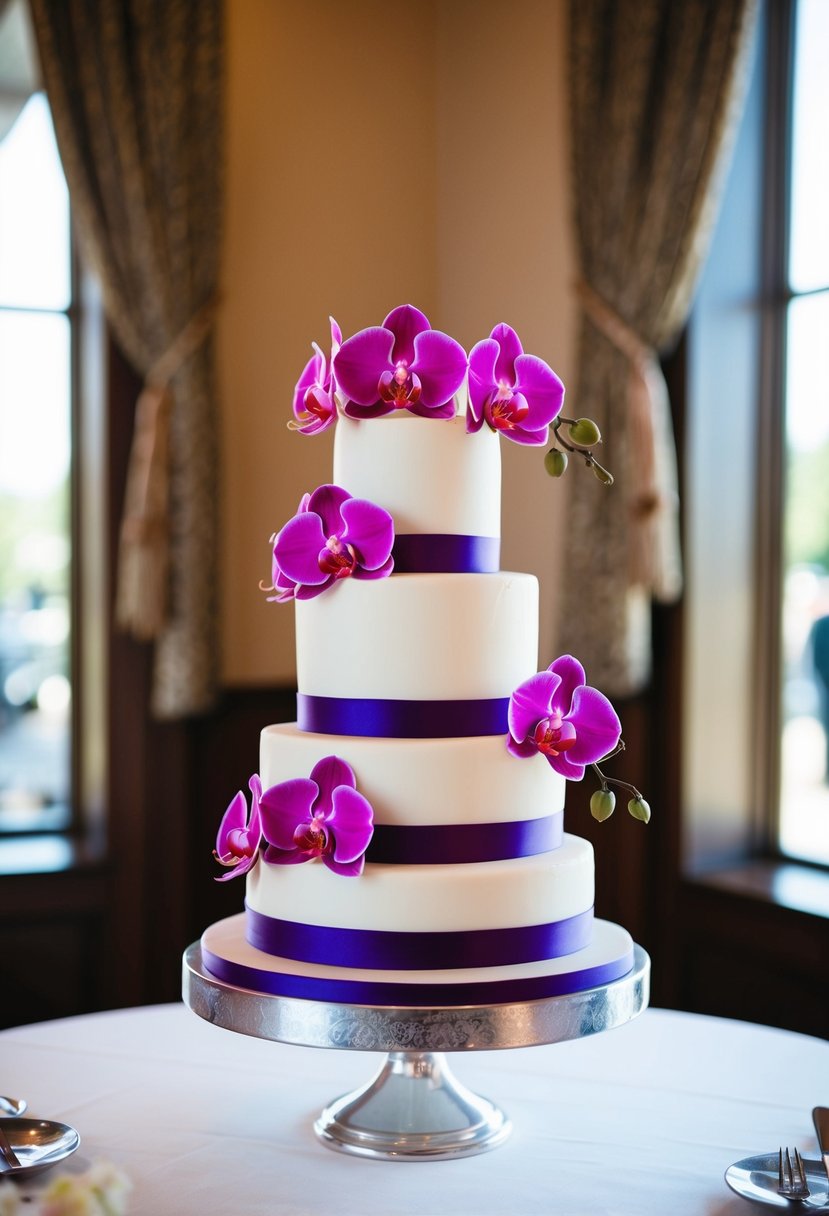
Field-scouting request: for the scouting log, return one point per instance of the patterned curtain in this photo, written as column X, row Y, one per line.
column 656, row 87
column 135, row 92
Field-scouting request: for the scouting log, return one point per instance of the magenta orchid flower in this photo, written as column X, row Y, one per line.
column 516, row 394
column 238, row 839
column 315, row 405
column 319, row 816
column 332, row 536
column 557, row 714
column 401, row 364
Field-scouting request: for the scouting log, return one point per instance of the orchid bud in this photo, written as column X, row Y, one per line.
column 603, row 475
column 602, row 804
column 584, row 433
column 555, row 462
column 639, row 809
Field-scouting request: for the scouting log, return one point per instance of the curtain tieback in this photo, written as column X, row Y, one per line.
column 141, row 601
column 654, row 563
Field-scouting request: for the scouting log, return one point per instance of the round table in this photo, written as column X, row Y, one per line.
column 641, row 1120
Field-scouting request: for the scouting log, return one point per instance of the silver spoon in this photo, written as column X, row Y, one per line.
column 12, row 1106
column 35, row 1144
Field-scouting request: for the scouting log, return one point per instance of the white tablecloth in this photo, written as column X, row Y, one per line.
column 641, row 1120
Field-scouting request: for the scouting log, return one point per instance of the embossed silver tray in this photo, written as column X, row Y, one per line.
column 414, row 1109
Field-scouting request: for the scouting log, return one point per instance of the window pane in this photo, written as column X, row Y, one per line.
column 809, row 256
column 804, row 804
column 34, row 570
column 34, row 214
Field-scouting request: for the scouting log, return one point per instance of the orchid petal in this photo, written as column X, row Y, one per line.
column 311, row 592
column 541, row 387
column 287, row 857
column 597, row 726
column 350, row 869
column 360, row 362
column 284, row 807
column 244, row 864
column 360, row 412
column 405, row 322
column 531, row 702
column 326, row 501
column 297, row 549
column 571, row 673
column 509, row 348
column 234, row 818
column 329, row 773
column 369, row 530
column 351, row 822
column 441, row 364
column 482, row 360
column 312, row 373
column 522, row 750
column 381, row 572
column 336, row 336
column 447, row 410
column 520, row 434
column 564, row 766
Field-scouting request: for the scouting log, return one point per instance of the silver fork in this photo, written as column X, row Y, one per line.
column 791, row 1178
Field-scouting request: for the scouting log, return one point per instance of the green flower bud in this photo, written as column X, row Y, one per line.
column 555, row 462
column 584, row 433
column 604, row 477
column 639, row 809
column 602, row 804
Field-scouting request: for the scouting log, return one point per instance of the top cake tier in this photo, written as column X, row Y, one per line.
column 433, row 478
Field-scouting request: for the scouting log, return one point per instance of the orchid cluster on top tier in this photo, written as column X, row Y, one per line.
column 405, row 364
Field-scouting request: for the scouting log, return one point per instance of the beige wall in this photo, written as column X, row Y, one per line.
column 379, row 154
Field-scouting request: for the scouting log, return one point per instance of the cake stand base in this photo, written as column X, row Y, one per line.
column 413, row 1109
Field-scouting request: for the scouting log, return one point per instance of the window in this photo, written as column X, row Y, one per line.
column 35, row 466
column 804, row 787
column 757, row 472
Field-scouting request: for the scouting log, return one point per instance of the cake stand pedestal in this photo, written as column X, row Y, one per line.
column 413, row 1109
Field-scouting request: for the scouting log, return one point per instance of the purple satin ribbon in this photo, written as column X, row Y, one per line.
column 462, row 843
column 388, row 719
column 401, row 995
column 436, row 553
column 385, row 950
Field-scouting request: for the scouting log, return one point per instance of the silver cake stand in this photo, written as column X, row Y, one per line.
column 413, row 1109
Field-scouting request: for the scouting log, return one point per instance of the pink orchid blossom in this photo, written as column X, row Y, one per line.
column 401, row 364
column 556, row 713
column 516, row 394
column 332, row 536
column 238, row 839
column 321, row 816
column 315, row 404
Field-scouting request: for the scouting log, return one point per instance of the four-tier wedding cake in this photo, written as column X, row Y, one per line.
column 404, row 844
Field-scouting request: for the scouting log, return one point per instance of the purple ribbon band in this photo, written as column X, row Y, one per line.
column 362, row 992
column 437, row 553
column 381, row 949
column 388, row 719
column 462, row 843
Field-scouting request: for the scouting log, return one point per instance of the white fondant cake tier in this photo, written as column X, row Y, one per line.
column 228, row 955
column 419, row 637
column 429, row 474
column 522, row 891
column 413, row 782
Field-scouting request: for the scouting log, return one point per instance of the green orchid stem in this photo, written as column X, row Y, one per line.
column 585, row 453
column 608, row 781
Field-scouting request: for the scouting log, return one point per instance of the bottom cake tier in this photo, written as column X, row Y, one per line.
column 231, row 959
